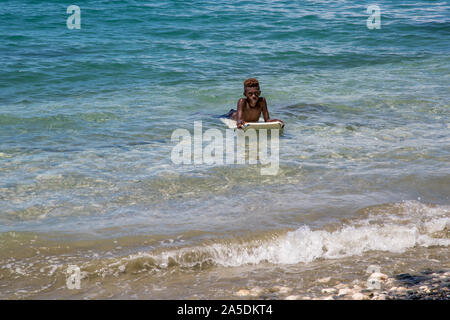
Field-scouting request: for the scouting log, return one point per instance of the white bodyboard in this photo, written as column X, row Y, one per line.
column 253, row 125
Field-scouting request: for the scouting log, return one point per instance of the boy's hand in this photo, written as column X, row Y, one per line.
column 274, row 120
column 240, row 123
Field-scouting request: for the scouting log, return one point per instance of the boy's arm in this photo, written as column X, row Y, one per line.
column 240, row 106
column 266, row 112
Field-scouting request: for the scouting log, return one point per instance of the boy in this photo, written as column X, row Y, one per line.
column 249, row 110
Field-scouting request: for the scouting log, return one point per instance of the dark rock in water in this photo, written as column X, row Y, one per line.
column 444, row 285
column 427, row 271
column 428, row 285
column 411, row 280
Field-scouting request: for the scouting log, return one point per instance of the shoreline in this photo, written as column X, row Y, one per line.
column 425, row 285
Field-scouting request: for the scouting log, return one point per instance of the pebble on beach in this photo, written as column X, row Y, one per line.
column 359, row 296
column 398, row 290
column 281, row 289
column 254, row 292
column 324, row 280
column 378, row 276
column 328, row 290
column 340, row 286
column 243, row 293
column 344, row 291
column 357, row 288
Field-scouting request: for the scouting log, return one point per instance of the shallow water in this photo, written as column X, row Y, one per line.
column 86, row 118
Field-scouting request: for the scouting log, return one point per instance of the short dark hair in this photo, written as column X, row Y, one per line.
column 251, row 83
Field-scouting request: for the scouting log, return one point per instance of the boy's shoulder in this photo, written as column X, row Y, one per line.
column 243, row 100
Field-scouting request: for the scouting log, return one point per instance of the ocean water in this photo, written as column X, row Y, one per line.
column 87, row 115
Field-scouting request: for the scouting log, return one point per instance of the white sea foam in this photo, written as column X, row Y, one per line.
column 410, row 224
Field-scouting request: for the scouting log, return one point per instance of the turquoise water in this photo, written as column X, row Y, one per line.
column 86, row 118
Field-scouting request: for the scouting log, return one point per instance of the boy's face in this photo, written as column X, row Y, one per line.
column 252, row 94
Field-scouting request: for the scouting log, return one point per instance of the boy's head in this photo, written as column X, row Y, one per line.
column 251, row 91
